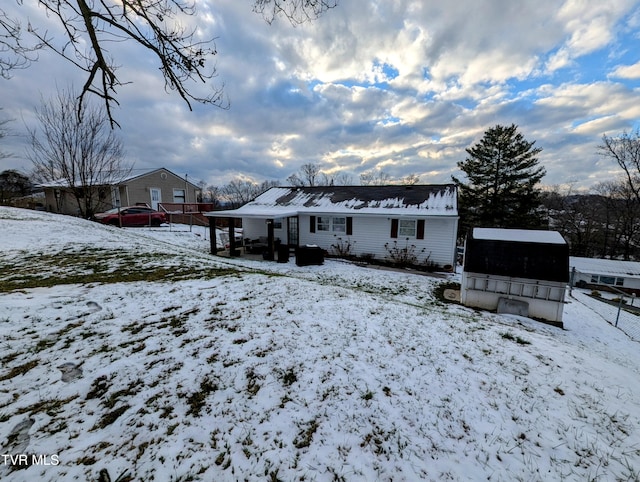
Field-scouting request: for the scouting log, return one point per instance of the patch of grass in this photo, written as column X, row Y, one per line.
column 289, row 377
column 9, row 358
column 253, row 387
column 99, row 387
column 131, row 390
column 83, row 266
column 305, row 436
column 19, row 370
column 197, row 400
column 519, row 340
column 172, row 428
column 110, row 417
column 51, row 407
column 368, row 395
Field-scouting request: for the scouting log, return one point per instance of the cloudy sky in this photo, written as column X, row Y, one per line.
column 398, row 85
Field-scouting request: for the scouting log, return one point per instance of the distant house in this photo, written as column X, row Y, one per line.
column 150, row 187
column 368, row 221
column 516, row 270
column 603, row 274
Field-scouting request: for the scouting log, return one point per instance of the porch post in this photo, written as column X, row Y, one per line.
column 212, row 235
column 270, row 238
column 232, row 237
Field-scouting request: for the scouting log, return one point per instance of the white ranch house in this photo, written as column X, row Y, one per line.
column 423, row 218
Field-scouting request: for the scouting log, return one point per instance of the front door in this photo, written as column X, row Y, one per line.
column 156, row 197
column 292, row 231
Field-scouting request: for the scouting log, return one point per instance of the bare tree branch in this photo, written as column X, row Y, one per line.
column 14, row 54
column 89, row 26
column 297, row 12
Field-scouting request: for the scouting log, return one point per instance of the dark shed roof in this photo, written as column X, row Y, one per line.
column 517, row 256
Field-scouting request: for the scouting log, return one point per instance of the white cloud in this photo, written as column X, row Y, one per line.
column 626, row 71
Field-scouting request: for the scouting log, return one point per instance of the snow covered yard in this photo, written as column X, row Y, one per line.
column 135, row 350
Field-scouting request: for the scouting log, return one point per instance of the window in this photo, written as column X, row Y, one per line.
column 407, row 228
column 327, row 223
column 324, row 223
column 607, row 280
column 339, row 225
column 179, row 196
column 277, row 223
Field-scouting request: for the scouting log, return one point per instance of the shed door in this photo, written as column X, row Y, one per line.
column 156, row 197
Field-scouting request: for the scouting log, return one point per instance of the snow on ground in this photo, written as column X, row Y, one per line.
column 136, row 350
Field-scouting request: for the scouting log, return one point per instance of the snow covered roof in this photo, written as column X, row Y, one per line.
column 519, row 235
column 610, row 267
column 418, row 200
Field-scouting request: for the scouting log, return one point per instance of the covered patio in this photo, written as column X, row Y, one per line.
column 264, row 232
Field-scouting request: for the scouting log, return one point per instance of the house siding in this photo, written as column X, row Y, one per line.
column 138, row 190
column 67, row 203
column 370, row 233
column 254, row 228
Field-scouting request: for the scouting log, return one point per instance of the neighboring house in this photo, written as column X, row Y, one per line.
column 366, row 221
column 150, row 187
column 603, row 274
column 516, row 271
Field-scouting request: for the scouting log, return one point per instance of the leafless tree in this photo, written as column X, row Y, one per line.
column 79, row 155
column 89, row 27
column 309, row 174
column 342, row 179
column 240, row 191
column 410, row 180
column 625, row 150
column 375, row 177
column 621, row 218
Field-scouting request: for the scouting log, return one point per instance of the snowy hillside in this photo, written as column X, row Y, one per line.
column 135, row 350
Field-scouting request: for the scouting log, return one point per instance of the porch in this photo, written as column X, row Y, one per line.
column 262, row 236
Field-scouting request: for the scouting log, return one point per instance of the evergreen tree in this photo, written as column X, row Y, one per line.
column 502, row 172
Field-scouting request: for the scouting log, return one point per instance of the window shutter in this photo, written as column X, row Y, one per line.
column 420, row 229
column 312, row 224
column 394, row 228
column 349, row 226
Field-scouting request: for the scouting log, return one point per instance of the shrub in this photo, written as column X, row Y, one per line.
column 342, row 248
column 403, row 256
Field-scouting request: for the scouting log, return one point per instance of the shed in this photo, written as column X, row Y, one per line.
column 524, row 271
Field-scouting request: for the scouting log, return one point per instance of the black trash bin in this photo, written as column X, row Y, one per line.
column 283, row 253
column 308, row 255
